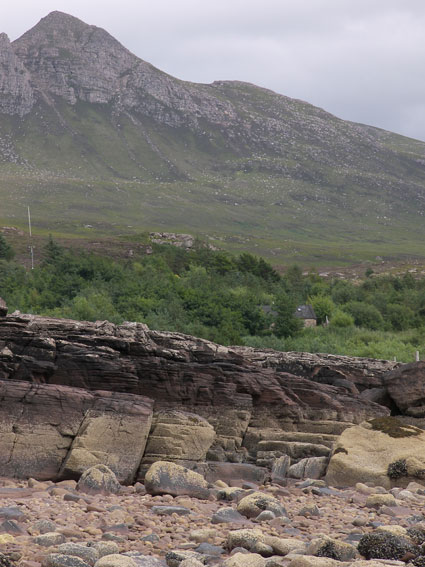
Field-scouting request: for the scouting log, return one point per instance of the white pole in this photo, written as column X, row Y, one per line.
column 29, row 221
column 31, row 246
column 417, row 356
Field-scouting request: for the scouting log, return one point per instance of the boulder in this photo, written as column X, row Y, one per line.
column 280, row 469
column 378, row 500
column 253, row 504
column 104, row 548
column 227, row 516
column 312, row 467
column 234, row 474
column 245, row 560
column 115, row 560
column 382, row 451
column 169, row 478
column 87, row 554
column 406, row 385
column 63, row 560
column 176, row 556
column 98, row 480
column 381, row 545
column 49, row 539
column 258, row 542
column 313, row 561
column 328, row 547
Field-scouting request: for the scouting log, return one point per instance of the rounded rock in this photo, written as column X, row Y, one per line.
column 115, row 560
column 253, row 504
column 168, row 478
column 98, row 480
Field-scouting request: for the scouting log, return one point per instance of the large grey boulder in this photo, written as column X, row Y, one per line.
column 169, row 478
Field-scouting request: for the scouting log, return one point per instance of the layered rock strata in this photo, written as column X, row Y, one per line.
column 84, row 393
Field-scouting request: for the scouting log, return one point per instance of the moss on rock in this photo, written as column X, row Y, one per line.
column 393, row 427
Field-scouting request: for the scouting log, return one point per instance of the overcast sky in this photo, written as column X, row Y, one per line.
column 363, row 60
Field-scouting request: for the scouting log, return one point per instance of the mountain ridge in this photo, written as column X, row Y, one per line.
column 77, row 108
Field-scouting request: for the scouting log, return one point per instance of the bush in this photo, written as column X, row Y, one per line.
column 341, row 320
column 323, row 307
column 365, row 315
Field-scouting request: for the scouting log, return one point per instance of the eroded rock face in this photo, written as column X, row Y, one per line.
column 352, row 373
column 177, row 435
column 16, row 93
column 210, row 403
column 177, row 371
column 114, row 439
column 67, row 58
column 38, row 423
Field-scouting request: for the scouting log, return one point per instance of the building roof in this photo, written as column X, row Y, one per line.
column 305, row 312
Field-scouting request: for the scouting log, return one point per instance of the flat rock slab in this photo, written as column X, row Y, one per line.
column 12, row 513
column 228, row 516
column 169, row 510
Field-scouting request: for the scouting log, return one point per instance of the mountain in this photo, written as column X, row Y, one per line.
column 92, row 135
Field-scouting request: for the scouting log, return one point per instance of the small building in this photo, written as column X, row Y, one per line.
column 307, row 314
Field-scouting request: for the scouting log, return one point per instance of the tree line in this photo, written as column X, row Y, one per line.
column 221, row 297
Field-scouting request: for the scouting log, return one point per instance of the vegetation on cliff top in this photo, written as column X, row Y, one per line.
column 214, row 295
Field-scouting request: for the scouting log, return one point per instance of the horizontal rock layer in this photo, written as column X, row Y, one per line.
column 210, row 402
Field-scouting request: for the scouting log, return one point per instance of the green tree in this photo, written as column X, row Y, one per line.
column 286, row 325
column 52, row 251
column 323, row 307
column 6, row 250
column 365, row 315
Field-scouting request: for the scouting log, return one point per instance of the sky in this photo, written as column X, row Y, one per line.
column 362, row 60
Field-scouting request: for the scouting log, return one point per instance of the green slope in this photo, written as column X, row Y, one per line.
column 245, row 166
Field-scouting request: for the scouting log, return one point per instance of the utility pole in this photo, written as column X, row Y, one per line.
column 31, row 247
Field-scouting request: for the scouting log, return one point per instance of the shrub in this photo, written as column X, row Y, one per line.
column 341, row 320
column 365, row 315
column 323, row 307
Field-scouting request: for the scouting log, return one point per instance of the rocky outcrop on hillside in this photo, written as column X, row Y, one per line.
column 16, row 93
column 90, row 392
column 70, row 59
column 64, row 57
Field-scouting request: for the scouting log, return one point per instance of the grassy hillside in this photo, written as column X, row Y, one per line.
column 246, row 167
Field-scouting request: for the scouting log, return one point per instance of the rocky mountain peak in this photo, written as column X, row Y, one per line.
column 71, row 59
column 58, row 30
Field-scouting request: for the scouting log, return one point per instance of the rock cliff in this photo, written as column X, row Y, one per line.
column 16, row 93
column 86, row 393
